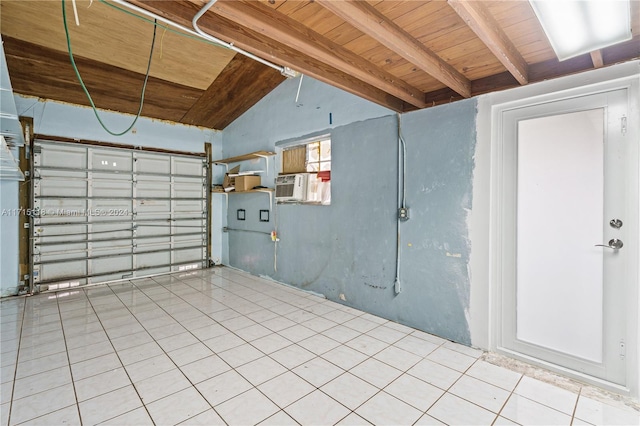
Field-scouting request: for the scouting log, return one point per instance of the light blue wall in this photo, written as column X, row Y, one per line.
column 348, row 249
column 9, row 237
column 72, row 121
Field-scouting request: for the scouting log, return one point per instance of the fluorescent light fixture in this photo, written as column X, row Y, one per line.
column 575, row 27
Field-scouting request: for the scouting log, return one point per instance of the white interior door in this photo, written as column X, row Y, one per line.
column 565, row 263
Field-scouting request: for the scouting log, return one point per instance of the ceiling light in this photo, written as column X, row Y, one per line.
column 575, row 27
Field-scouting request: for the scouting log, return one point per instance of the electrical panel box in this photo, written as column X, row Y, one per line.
column 292, row 187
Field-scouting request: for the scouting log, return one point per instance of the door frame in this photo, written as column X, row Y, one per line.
column 498, row 229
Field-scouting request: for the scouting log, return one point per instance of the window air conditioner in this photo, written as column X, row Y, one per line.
column 291, row 187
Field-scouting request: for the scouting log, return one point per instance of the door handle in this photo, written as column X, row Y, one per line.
column 614, row 243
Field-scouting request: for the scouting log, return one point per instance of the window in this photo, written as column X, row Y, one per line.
column 313, row 160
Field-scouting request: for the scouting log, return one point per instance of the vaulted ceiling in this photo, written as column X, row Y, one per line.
column 402, row 54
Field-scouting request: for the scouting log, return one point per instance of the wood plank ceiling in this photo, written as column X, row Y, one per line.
column 402, row 54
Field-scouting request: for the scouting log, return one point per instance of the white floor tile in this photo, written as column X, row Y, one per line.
column 472, row 352
column 318, row 371
column 94, row 366
column 375, row 372
column 318, row 344
column 344, row 357
column 261, row 370
column 367, row 345
column 397, row 358
column 279, row 419
column 249, row 408
column 386, row 334
column 177, row 407
column 427, row 420
column 162, row 385
column 546, row 394
column 253, row 332
column 139, row 353
column 525, row 411
column 452, row 359
column 292, row 356
column 66, row 416
column 177, row 341
column 416, row 345
column 223, row 387
column 271, row 343
column 435, row 374
column 207, row 418
column 224, row 342
column 101, row 383
column 384, row 409
column 108, row 406
column 349, row 390
column 41, row 382
column 481, row 393
column 240, row 355
column 278, row 323
column 341, row 334
column 598, row 413
column 498, row 376
column 205, row 368
column 360, row 324
column 414, row 392
column 286, row 389
column 40, row 365
column 149, row 367
column 189, row 354
column 137, row 417
column 456, row 411
column 317, row 409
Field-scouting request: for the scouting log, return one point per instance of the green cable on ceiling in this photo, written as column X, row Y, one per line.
column 75, row 69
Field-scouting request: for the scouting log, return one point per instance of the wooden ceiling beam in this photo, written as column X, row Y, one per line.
column 369, row 20
column 273, row 24
column 47, row 73
column 241, row 84
column 182, row 11
column 480, row 21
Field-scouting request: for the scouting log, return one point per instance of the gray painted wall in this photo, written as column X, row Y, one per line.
column 349, row 248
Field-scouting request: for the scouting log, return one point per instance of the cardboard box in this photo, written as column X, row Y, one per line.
column 247, row 183
column 229, row 182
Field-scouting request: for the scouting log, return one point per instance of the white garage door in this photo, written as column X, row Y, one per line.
column 103, row 214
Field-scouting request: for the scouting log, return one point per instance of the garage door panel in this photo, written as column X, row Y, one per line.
column 153, row 259
column 111, row 185
column 111, row 160
column 111, row 213
column 116, row 263
column 193, row 188
column 152, row 163
column 54, row 155
column 153, row 187
column 188, row 255
column 188, row 226
column 61, row 271
column 188, row 166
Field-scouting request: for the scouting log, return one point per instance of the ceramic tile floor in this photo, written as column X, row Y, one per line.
column 223, row 347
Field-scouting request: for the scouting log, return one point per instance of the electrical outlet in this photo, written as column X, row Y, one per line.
column 403, row 213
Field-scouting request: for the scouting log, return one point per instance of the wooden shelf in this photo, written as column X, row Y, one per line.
column 245, row 192
column 250, row 156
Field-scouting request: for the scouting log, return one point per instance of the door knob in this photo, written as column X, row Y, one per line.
column 614, row 243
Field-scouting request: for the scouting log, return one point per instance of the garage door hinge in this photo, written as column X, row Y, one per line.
column 623, row 125
column 623, row 349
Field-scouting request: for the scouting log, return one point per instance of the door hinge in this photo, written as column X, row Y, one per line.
column 623, row 125
column 623, row 349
